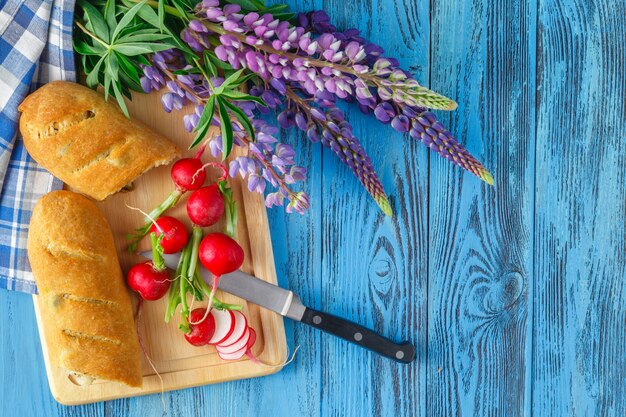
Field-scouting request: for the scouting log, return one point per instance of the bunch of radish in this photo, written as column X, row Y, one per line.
column 219, row 324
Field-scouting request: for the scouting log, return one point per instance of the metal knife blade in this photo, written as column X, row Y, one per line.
column 250, row 288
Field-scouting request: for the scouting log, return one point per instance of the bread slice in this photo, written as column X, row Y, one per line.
column 87, row 142
column 85, row 308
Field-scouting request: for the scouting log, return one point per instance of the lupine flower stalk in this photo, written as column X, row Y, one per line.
column 302, row 71
column 316, row 59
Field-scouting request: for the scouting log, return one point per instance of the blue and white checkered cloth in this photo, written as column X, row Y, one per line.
column 35, row 48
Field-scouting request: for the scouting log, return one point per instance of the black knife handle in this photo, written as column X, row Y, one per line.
column 359, row 335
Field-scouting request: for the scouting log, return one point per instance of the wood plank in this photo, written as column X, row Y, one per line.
column 296, row 390
column 374, row 268
column 181, row 365
column 580, row 292
column 480, row 255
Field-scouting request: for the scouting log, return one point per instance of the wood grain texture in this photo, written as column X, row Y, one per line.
column 480, row 254
column 374, row 268
column 514, row 294
column 580, row 293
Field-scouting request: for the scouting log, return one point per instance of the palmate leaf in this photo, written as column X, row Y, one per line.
column 116, row 39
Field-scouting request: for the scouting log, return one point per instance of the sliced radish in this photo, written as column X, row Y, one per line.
column 240, row 327
column 243, row 342
column 233, row 356
column 224, row 325
column 252, row 337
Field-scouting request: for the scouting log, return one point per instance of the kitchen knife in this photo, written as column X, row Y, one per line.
column 286, row 303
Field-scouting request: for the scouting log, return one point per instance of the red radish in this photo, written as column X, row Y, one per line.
column 202, row 328
column 205, row 206
column 220, row 254
column 188, row 174
column 150, row 283
column 239, row 330
column 242, row 343
column 175, row 233
column 224, row 325
column 233, row 356
column 252, row 338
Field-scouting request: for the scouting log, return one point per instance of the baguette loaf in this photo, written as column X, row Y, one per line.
column 85, row 307
column 86, row 141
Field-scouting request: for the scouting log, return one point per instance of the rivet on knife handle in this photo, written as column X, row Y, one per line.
column 402, row 352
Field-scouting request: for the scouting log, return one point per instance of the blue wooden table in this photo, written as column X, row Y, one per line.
column 515, row 295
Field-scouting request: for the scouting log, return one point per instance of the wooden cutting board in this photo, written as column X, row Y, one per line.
column 180, row 364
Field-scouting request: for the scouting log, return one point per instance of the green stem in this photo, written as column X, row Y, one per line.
column 91, row 35
column 184, row 310
column 196, row 237
column 174, row 295
column 157, row 252
column 231, row 209
column 206, row 289
column 140, row 232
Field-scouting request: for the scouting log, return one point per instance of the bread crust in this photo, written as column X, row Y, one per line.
column 85, row 307
column 86, row 141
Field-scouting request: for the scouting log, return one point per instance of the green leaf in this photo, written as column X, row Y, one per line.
column 109, row 14
column 217, row 62
column 150, row 16
column 86, row 49
column 210, row 66
column 97, row 22
column 242, row 80
column 128, row 17
column 204, row 123
column 120, row 99
column 242, row 117
column 142, row 60
column 127, row 85
column 239, row 96
column 92, row 77
column 245, row 4
column 227, row 129
column 107, row 84
column 228, row 81
column 161, row 14
column 277, row 8
column 139, row 48
column 128, row 68
column 145, row 37
column 181, row 9
column 112, row 66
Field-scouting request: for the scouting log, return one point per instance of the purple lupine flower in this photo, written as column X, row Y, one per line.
column 323, row 64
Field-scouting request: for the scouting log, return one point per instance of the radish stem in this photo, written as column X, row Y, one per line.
column 140, row 232
column 230, row 206
column 196, row 238
column 157, row 251
column 220, row 305
column 184, row 311
column 174, row 295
